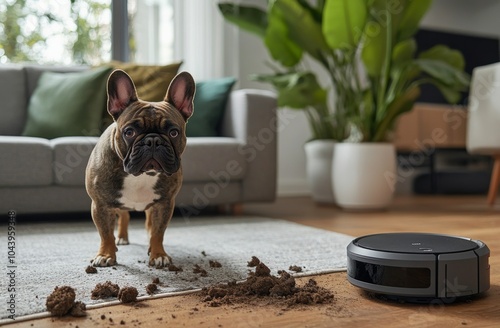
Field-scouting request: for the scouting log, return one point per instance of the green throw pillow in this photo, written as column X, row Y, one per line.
column 209, row 105
column 67, row 104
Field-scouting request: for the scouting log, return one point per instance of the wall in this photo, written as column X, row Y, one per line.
column 465, row 16
column 476, row 17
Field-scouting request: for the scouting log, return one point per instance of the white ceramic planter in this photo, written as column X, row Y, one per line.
column 364, row 175
column 319, row 155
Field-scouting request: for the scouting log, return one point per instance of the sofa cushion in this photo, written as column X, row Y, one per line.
column 13, row 95
column 71, row 155
column 210, row 103
column 33, row 73
column 213, row 159
column 25, row 161
column 69, row 104
column 151, row 81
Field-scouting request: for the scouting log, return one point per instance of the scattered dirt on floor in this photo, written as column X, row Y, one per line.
column 90, row 269
column 198, row 269
column 62, row 301
column 253, row 262
column 279, row 290
column 79, row 309
column 214, row 264
column 105, row 290
column 174, row 268
column 151, row 289
column 128, row 294
column 295, row 268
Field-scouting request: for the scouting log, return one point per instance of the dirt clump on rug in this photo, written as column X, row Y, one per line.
column 279, row 290
column 214, row 264
column 62, row 302
column 151, row 288
column 105, row 290
column 128, row 294
column 90, row 270
column 174, row 268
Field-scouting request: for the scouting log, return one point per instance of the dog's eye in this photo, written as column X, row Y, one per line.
column 129, row 133
column 173, row 133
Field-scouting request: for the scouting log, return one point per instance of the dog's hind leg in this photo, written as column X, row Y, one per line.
column 123, row 221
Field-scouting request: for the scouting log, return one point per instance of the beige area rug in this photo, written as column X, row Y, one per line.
column 57, row 253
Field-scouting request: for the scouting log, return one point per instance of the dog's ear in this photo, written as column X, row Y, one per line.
column 181, row 92
column 121, row 93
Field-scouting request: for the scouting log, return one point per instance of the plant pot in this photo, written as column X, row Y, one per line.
column 319, row 155
column 364, row 175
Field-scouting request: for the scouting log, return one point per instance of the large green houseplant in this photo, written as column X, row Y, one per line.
column 367, row 49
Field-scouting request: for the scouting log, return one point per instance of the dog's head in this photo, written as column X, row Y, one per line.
column 150, row 136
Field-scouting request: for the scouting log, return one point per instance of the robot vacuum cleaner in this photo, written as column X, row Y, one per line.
column 419, row 267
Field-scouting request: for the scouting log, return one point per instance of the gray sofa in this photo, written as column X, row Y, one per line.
column 47, row 176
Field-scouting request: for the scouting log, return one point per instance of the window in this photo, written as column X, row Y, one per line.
column 152, row 31
column 50, row 32
column 91, row 32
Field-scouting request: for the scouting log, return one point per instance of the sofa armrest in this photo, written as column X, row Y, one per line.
column 250, row 117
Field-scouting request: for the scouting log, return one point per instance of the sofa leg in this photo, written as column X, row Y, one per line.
column 494, row 181
column 236, row 209
column 231, row 209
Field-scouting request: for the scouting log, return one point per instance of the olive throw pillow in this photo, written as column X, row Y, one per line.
column 67, row 104
column 209, row 105
column 151, row 81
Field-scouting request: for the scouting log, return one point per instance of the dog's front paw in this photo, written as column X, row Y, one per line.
column 160, row 260
column 103, row 261
column 122, row 241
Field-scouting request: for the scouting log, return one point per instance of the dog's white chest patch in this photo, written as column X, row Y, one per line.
column 138, row 191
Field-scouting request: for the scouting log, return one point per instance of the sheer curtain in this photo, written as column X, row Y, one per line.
column 202, row 41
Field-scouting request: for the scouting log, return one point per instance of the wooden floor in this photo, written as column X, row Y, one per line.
column 465, row 216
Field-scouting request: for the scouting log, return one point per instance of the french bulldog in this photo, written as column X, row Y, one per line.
column 136, row 164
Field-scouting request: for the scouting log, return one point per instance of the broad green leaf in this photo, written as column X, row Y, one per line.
column 296, row 90
column 411, row 17
column 281, row 48
column 316, row 12
column 374, row 49
column 344, row 22
column 404, row 52
column 441, row 52
column 450, row 94
column 250, row 19
column 303, row 29
column 444, row 73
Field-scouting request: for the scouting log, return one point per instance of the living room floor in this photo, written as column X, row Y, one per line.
column 467, row 216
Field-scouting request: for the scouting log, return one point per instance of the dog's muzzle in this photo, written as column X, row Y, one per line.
column 151, row 153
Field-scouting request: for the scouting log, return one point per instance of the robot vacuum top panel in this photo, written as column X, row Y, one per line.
column 416, row 243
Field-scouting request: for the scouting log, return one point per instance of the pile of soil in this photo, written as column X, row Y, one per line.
column 105, row 290
column 62, row 301
column 128, row 294
column 174, row 268
column 90, row 270
column 200, row 270
column 281, row 290
column 151, row 288
column 214, row 264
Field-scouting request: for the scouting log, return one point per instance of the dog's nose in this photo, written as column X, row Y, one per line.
column 153, row 141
